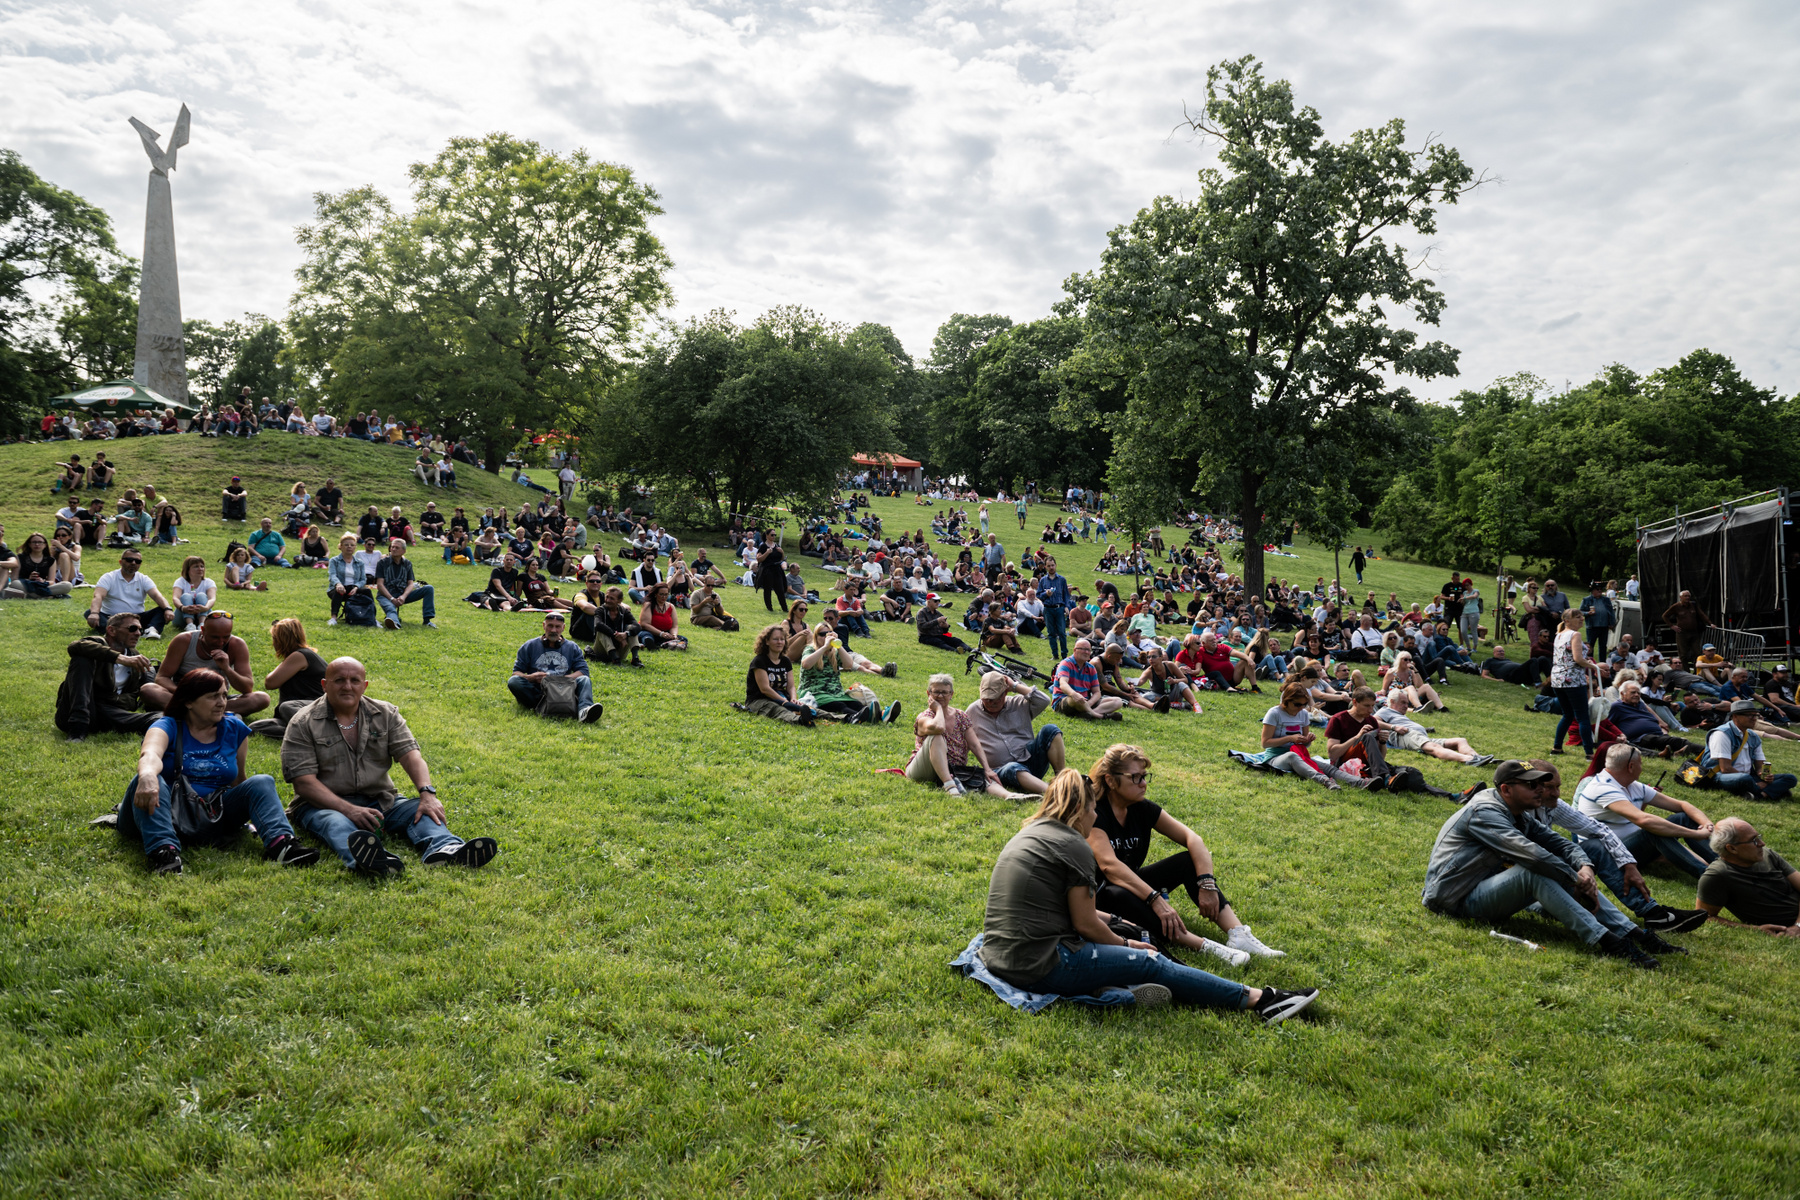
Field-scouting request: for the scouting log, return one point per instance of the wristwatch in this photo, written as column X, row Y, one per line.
column 428, row 788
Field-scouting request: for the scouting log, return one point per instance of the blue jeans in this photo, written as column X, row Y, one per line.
column 255, row 799
column 1574, row 702
column 1613, row 876
column 1516, row 888
column 421, row 593
column 1090, row 967
column 1056, row 629
column 1037, row 759
column 528, row 691
column 1746, row 784
column 855, row 623
column 334, row 828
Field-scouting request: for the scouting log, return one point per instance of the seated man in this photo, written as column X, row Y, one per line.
column 1642, row 725
column 1221, row 664
column 1076, row 687
column 1001, row 722
column 1469, row 875
column 214, row 647
column 125, row 591
column 615, row 631
column 395, row 585
column 1740, row 686
column 1113, row 682
column 1754, row 882
column 1625, row 656
column 553, row 655
column 1778, row 693
column 1408, row 734
column 431, row 523
column 267, row 546
column 132, row 527
column 425, row 468
column 1735, row 751
column 100, row 472
column 1617, row 798
column 330, row 502
column 706, row 608
column 234, row 501
column 99, row 694
column 337, row 753
column 1712, row 665
column 1365, row 643
column 933, row 625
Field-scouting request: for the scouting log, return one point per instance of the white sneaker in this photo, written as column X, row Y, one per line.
column 954, row 787
column 333, row 621
column 155, row 634
column 1242, row 939
column 1236, row 958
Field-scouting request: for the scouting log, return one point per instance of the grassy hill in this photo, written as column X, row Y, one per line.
column 711, row 957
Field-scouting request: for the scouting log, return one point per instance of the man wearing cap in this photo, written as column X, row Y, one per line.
column 1778, row 693
column 1469, row 875
column 234, row 501
column 1735, row 750
column 1754, row 882
column 1689, row 621
column 1714, row 667
column 1597, row 610
column 553, row 655
column 933, row 625
column 1001, row 722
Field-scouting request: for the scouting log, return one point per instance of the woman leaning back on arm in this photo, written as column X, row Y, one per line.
column 1043, row 933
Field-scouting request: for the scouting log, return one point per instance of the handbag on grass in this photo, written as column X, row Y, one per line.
column 198, row 820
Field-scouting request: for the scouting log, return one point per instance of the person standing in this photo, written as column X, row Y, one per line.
column 771, row 571
column 1569, row 668
column 1358, row 562
column 1053, row 594
column 337, row 753
column 1022, row 508
column 993, row 558
column 1597, row 608
column 1689, row 621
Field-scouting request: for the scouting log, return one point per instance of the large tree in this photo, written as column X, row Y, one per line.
column 502, row 301
column 1261, row 315
column 955, row 439
column 738, row 419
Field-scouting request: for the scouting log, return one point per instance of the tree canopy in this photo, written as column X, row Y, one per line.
column 1258, row 318
column 503, row 300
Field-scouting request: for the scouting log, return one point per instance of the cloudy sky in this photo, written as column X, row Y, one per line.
column 901, row 162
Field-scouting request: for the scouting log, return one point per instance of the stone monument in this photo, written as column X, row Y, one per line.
column 161, row 361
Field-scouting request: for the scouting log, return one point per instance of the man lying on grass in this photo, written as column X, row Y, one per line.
column 1469, row 875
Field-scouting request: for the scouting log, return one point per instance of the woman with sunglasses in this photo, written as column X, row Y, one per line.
column 1121, row 838
column 1046, row 931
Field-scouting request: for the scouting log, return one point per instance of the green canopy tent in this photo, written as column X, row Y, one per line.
column 120, row 396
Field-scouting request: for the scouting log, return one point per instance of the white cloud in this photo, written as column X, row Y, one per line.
column 898, row 163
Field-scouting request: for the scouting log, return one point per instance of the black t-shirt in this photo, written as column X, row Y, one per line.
column 330, row 497
column 357, row 426
column 369, row 526
column 506, row 579
column 432, row 523
column 459, row 522
column 1130, row 839
column 1453, row 600
column 38, row 568
column 308, row 683
column 234, row 489
column 537, row 589
column 1499, row 668
column 778, row 670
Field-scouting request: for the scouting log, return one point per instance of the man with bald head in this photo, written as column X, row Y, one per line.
column 337, row 754
column 1753, row 881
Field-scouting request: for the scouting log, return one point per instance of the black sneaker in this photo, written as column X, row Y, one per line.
column 165, row 861
column 1649, row 943
column 591, row 713
column 371, row 858
column 892, row 714
column 1277, row 1006
column 1676, row 920
column 1151, row 995
column 288, row 852
column 476, row 852
column 1614, row 946
column 1162, row 704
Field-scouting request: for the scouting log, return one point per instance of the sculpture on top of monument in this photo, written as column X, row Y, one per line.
column 161, row 361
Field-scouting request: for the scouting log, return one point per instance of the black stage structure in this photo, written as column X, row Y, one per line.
column 1739, row 563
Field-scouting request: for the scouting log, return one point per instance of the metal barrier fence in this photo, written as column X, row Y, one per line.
column 1738, row 646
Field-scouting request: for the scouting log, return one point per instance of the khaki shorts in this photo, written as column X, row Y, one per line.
column 1411, row 739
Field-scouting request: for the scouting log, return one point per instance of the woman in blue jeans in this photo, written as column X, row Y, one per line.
column 1569, row 667
column 1044, row 934
column 197, row 738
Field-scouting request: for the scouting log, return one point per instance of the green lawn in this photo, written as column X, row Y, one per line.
column 711, row 957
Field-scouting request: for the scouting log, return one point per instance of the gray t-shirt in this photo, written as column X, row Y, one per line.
column 1758, row 895
column 1028, row 900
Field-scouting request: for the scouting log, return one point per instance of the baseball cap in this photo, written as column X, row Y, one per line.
column 1708, row 646
column 235, row 479
column 1514, row 771
column 1780, row 669
column 931, row 595
column 995, row 684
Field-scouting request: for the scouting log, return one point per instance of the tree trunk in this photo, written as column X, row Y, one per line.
column 490, row 454
column 1250, row 517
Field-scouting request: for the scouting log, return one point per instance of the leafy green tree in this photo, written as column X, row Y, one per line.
column 213, row 350
column 739, row 419
column 956, row 441
column 261, row 364
column 909, row 399
column 509, row 296
column 1265, row 314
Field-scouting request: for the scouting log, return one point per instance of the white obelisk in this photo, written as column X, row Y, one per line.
column 161, row 361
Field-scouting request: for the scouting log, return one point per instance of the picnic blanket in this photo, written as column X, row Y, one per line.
column 969, row 964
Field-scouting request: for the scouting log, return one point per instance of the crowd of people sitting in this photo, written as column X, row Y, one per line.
column 1075, row 907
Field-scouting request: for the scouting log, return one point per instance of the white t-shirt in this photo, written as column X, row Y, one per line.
column 195, row 593
column 1719, row 744
column 1367, row 639
column 1030, row 608
column 567, row 475
column 1287, row 724
column 370, row 559
column 1595, row 792
column 124, row 595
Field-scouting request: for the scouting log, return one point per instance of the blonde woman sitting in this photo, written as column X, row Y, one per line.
column 942, row 743
column 1410, row 681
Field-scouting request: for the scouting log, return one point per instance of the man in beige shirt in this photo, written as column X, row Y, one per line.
column 337, row 753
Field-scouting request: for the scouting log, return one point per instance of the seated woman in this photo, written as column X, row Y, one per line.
column 37, row 572
column 167, row 524
column 313, row 550
column 769, row 684
column 67, row 548
column 198, row 739
column 397, row 526
column 195, row 594
column 534, row 589
column 821, row 667
column 998, row 630
column 1287, row 732
column 487, row 546
column 459, row 546
column 299, row 676
column 1407, row 678
column 942, row 744
column 348, row 576
column 239, row 572
column 656, row 622
column 1044, row 933
column 1162, row 679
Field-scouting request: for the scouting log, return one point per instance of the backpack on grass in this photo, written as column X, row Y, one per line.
column 359, row 609
column 559, row 698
